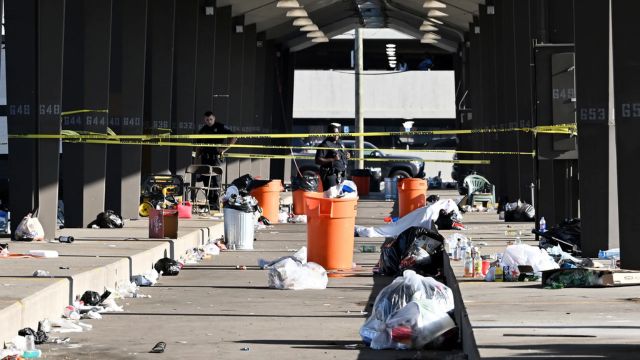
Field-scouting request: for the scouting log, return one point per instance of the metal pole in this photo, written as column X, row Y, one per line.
column 614, row 227
column 359, row 113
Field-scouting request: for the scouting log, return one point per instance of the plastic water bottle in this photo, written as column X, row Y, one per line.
column 543, row 225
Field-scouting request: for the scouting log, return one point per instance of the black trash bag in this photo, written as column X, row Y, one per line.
column 306, row 183
column 242, row 183
column 519, row 212
column 92, row 298
column 412, row 249
column 433, row 199
column 168, row 267
column 107, row 220
column 445, row 220
column 246, row 205
column 424, row 255
column 39, row 337
column 257, row 184
column 568, row 232
column 361, row 172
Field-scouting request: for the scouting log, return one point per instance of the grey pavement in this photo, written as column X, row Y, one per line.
column 213, row 310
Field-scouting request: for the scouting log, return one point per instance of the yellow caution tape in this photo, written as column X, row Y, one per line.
column 73, row 112
column 566, row 129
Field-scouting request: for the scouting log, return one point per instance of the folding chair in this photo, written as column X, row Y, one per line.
column 204, row 173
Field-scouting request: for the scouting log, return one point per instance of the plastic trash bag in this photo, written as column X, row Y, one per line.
column 40, row 337
column 519, row 212
column 242, row 184
column 147, row 279
column 107, row 220
column 416, row 248
column 299, row 256
column 523, row 254
column 390, row 326
column 346, row 189
column 93, row 298
column 29, row 229
column 294, row 275
column 306, row 183
column 167, row 267
column 246, row 204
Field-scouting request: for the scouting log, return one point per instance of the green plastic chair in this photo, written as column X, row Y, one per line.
column 478, row 186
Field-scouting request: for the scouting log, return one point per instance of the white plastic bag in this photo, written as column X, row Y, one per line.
column 293, row 275
column 523, row 254
column 433, row 300
column 299, row 256
column 29, row 229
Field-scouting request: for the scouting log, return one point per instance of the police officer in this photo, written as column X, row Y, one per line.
column 332, row 158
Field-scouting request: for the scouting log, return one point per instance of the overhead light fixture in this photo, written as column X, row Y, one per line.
column 315, row 34
column 302, row 21
column 429, row 41
column 322, row 39
column 391, row 46
column 433, row 4
column 209, row 10
column 312, row 27
column 436, row 13
column 239, row 29
column 436, row 21
column 431, row 35
column 424, row 27
column 391, row 52
column 297, row 13
column 491, row 10
column 392, row 57
column 288, row 4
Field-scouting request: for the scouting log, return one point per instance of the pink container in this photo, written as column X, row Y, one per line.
column 184, row 210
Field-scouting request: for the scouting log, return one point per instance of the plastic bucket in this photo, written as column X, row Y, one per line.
column 390, row 189
column 239, row 229
column 330, row 226
column 268, row 197
column 412, row 194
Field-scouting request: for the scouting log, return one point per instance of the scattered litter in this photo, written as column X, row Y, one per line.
column 159, row 347
column 421, row 217
column 519, row 211
column 129, row 290
column 345, row 189
column 523, row 254
column 245, row 349
column 241, row 267
column 300, row 255
column 65, row 326
column 581, row 277
column 70, row 312
column 295, row 275
column 39, row 337
column 416, row 248
column 92, row 315
column 44, row 253
column 168, row 267
column 298, row 219
column 181, row 342
column 410, row 313
column 92, row 298
column 64, row 268
column 29, row 229
column 147, row 279
column 211, row 249
column 41, row 273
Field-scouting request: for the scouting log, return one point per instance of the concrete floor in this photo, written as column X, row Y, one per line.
column 212, row 310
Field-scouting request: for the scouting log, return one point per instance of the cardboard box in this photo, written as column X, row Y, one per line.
column 589, row 277
column 163, row 224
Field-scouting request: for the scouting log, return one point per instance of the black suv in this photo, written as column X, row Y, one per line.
column 384, row 164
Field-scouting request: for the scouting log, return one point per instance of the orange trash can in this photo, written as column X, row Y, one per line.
column 362, row 178
column 268, row 197
column 300, row 186
column 412, row 194
column 330, row 226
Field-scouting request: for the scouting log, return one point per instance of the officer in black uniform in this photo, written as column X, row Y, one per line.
column 332, row 159
column 212, row 155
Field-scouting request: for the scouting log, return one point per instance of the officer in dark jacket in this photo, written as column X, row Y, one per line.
column 212, row 155
column 332, row 159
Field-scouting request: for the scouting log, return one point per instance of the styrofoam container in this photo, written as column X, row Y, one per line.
column 44, row 253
